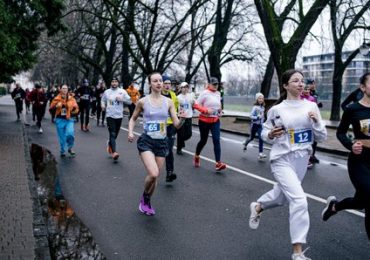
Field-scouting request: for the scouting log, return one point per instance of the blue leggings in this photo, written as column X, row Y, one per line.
column 204, row 129
column 256, row 129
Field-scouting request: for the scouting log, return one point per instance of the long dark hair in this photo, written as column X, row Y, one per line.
column 284, row 80
column 364, row 78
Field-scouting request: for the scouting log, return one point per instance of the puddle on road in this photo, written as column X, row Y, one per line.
column 68, row 237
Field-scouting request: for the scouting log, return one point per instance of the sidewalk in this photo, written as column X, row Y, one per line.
column 22, row 233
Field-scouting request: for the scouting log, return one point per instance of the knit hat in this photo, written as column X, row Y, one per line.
column 259, row 94
column 184, row 84
column 310, row 81
column 165, row 78
column 37, row 85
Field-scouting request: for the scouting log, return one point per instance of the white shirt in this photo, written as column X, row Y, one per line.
column 113, row 100
column 301, row 131
column 186, row 103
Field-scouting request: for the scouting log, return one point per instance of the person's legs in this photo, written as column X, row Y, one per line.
column 70, row 136
column 82, row 115
column 61, row 131
column 112, row 133
column 204, row 131
column 260, row 141
column 171, row 134
column 252, row 136
column 215, row 130
column 87, row 116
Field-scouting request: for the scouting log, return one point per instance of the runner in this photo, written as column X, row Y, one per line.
column 186, row 102
column 209, row 104
column 18, row 95
column 84, row 94
column 135, row 96
column 112, row 103
column 99, row 112
column 152, row 144
column 65, row 107
column 257, row 119
column 171, row 129
column 51, row 94
column 291, row 135
column 358, row 115
column 39, row 101
column 27, row 100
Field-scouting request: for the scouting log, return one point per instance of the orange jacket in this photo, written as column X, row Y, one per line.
column 133, row 93
column 70, row 104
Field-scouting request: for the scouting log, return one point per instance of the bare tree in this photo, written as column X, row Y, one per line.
column 346, row 17
column 284, row 54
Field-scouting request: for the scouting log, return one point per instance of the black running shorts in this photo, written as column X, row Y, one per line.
column 157, row 146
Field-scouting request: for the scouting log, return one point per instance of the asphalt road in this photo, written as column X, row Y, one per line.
column 203, row 214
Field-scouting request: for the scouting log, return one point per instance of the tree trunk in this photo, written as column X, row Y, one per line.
column 267, row 78
column 337, row 90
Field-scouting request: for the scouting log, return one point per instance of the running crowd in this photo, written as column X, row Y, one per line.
column 167, row 112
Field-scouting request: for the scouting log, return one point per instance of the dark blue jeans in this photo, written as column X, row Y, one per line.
column 256, row 129
column 204, row 129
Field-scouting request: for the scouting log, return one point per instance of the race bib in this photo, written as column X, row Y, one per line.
column 63, row 112
column 185, row 106
column 156, row 129
column 300, row 136
column 365, row 126
column 113, row 103
column 17, row 95
column 85, row 97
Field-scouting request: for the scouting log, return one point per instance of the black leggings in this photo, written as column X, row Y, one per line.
column 84, row 113
column 359, row 173
column 99, row 112
column 114, row 125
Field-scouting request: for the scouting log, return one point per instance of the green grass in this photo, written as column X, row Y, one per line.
column 325, row 114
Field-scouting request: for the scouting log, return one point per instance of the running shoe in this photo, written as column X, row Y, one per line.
column 309, row 165
column 40, row 130
column 300, row 256
column 313, row 159
column 179, row 151
column 254, row 219
column 261, row 155
column 62, row 155
column 244, row 147
column 146, row 208
column 196, row 161
column 109, row 149
column 115, row 156
column 71, row 152
column 220, row 166
column 170, row 176
column 328, row 210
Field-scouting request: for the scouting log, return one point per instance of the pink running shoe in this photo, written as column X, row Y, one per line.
column 146, row 208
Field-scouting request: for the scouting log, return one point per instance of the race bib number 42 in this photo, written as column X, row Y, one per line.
column 300, row 136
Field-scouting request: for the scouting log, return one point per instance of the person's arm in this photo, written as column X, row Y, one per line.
column 350, row 98
column 125, row 98
column 254, row 114
column 343, row 129
column 103, row 102
column 318, row 125
column 131, row 124
column 176, row 121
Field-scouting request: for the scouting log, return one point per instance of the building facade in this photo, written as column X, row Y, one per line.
column 321, row 67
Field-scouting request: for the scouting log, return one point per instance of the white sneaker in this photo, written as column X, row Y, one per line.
column 40, row 131
column 301, row 256
column 262, row 155
column 254, row 219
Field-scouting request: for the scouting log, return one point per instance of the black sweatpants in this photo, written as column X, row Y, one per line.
column 114, row 125
column 359, row 173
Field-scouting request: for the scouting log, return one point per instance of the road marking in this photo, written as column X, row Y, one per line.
column 249, row 174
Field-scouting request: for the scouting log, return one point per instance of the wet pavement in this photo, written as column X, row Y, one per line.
column 17, row 219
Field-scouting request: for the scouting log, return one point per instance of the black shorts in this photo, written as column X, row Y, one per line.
column 157, row 146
